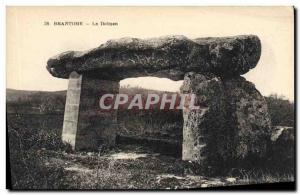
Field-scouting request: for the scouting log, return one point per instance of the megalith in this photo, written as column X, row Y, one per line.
column 247, row 118
column 69, row 131
column 170, row 57
column 204, row 129
column 232, row 122
column 86, row 126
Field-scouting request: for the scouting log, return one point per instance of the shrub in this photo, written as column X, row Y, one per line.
column 281, row 110
column 27, row 154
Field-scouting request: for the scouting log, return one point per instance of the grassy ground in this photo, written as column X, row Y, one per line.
column 133, row 167
column 38, row 160
column 129, row 167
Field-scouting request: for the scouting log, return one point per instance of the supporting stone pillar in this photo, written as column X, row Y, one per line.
column 72, row 109
column 202, row 128
column 232, row 126
column 89, row 127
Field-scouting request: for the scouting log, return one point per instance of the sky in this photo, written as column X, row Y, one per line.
column 30, row 43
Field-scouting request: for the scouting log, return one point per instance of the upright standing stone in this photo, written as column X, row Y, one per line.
column 248, row 120
column 86, row 126
column 96, row 127
column 203, row 128
column 72, row 109
column 232, row 126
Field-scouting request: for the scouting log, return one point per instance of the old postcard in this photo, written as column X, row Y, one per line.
column 150, row 98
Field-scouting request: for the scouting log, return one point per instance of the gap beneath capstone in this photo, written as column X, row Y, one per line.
column 158, row 130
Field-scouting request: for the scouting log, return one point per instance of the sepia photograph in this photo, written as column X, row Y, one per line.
column 150, row 98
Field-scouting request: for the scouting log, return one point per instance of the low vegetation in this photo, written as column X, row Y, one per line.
column 281, row 110
column 39, row 160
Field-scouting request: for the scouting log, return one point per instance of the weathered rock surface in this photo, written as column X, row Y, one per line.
column 86, row 126
column 96, row 127
column 204, row 128
column 231, row 126
column 281, row 150
column 248, row 119
column 170, row 57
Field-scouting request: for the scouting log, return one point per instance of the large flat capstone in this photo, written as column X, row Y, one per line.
column 170, row 57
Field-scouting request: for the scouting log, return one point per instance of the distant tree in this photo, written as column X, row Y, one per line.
column 281, row 110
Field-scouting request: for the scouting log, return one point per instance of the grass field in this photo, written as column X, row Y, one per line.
column 39, row 160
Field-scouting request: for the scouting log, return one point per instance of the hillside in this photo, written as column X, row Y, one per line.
column 35, row 102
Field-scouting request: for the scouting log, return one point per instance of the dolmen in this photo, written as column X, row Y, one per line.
column 232, row 125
